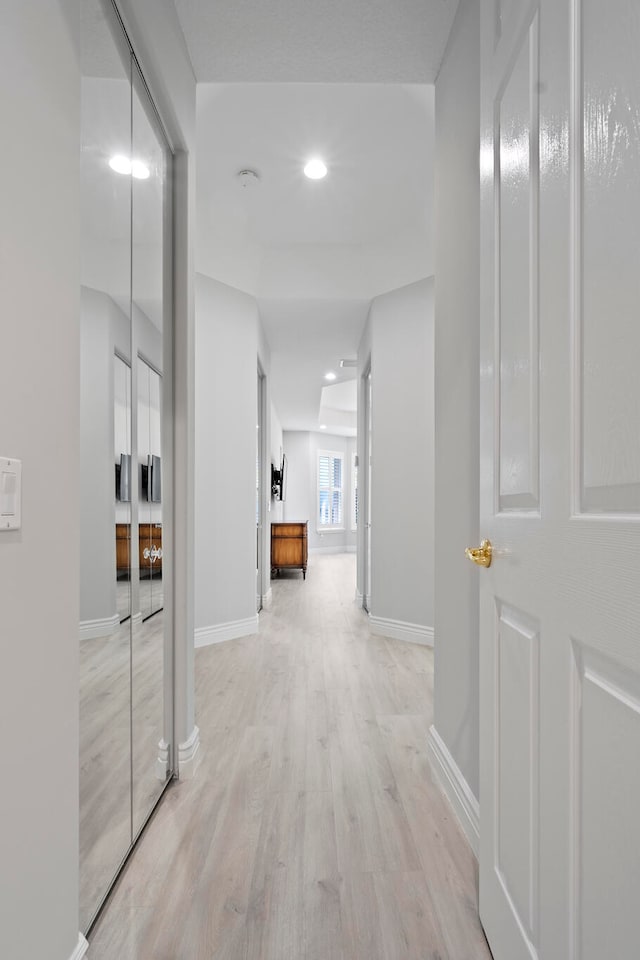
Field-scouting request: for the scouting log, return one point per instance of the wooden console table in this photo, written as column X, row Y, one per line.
column 289, row 547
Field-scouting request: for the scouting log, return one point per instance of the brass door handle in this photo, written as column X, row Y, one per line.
column 482, row 554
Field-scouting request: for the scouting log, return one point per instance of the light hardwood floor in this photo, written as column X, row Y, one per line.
column 312, row 830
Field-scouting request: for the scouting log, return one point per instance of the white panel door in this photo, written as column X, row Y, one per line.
column 560, row 479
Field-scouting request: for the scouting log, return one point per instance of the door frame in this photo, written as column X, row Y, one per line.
column 366, row 485
column 261, row 462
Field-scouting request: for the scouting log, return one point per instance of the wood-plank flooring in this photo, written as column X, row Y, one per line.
column 313, row 830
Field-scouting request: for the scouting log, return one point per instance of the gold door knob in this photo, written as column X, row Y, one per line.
column 482, row 554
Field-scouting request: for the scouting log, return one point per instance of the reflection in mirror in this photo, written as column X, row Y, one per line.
column 105, row 412
column 150, row 489
column 125, row 641
column 150, row 639
column 122, row 453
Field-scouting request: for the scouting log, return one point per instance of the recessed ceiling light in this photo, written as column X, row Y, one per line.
column 323, row 426
column 135, row 168
column 315, row 169
column 330, row 376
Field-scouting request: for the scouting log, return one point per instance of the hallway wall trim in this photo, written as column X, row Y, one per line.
column 400, row 630
column 219, row 632
column 81, row 948
column 455, row 788
column 94, row 629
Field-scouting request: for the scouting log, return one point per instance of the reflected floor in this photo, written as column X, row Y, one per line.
column 123, row 598
column 105, row 748
column 151, row 597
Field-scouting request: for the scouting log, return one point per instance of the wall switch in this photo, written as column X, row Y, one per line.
column 10, row 493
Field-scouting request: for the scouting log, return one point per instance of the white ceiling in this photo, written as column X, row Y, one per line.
column 364, row 229
column 358, row 92
column 308, row 338
column 326, row 41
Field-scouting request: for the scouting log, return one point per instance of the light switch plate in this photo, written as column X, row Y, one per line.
column 10, row 493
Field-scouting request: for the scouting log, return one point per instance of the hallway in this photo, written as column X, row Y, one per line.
column 312, row 829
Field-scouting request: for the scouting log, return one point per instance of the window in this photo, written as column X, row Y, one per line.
column 354, row 492
column 330, row 495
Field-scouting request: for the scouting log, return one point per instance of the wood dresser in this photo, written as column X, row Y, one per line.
column 149, row 537
column 289, row 547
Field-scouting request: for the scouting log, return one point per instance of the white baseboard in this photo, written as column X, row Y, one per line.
column 94, row 629
column 338, row 549
column 81, row 948
column 267, row 598
column 189, row 756
column 219, row 632
column 162, row 760
column 399, row 630
column 455, row 788
column 358, row 597
column 351, row 549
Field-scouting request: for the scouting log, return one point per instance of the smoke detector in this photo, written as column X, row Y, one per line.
column 248, row 178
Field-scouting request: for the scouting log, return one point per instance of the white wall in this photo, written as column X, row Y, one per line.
column 227, row 342
column 399, row 341
column 271, row 446
column 301, row 449
column 457, row 385
column 275, row 512
column 39, row 424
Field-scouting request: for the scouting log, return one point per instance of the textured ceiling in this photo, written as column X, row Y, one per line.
column 325, row 41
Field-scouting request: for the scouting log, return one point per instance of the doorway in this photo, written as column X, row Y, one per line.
column 260, row 501
column 366, row 489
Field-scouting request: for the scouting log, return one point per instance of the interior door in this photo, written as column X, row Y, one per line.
column 560, row 479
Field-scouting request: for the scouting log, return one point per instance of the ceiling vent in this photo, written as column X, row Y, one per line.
column 348, row 363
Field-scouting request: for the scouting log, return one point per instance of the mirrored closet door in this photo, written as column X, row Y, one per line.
column 126, row 643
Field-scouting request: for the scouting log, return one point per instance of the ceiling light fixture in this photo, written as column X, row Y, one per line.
column 248, row 178
column 330, row 376
column 135, row 168
column 315, row 169
column 323, row 426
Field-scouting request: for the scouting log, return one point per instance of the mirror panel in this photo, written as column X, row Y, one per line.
column 150, row 303
column 125, row 345
column 105, row 459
